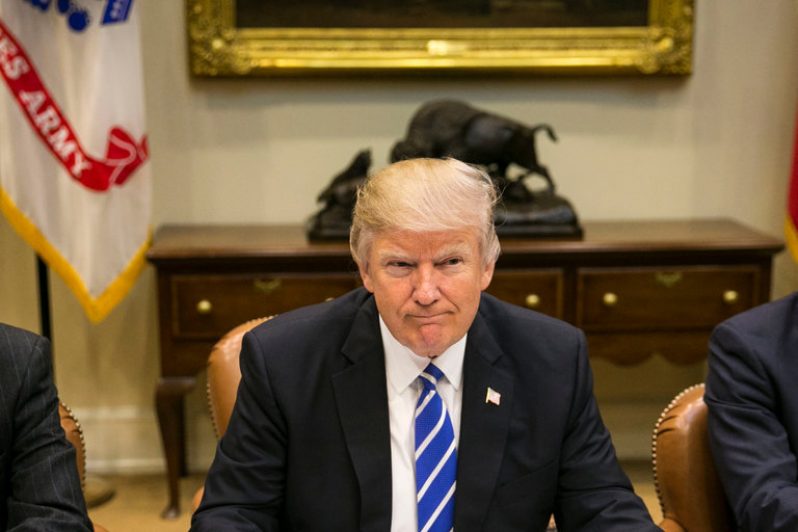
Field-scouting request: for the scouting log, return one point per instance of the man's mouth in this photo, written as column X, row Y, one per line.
column 428, row 317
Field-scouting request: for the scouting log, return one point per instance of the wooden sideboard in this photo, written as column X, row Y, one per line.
column 637, row 288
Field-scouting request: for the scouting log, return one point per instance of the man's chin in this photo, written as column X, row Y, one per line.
column 430, row 347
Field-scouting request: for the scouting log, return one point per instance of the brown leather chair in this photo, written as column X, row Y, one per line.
column 688, row 487
column 74, row 434
column 224, row 375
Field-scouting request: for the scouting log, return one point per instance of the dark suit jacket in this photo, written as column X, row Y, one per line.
column 308, row 444
column 39, row 484
column 752, row 395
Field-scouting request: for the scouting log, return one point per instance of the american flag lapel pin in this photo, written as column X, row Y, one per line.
column 493, row 397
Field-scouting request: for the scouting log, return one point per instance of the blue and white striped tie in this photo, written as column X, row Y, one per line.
column 436, row 457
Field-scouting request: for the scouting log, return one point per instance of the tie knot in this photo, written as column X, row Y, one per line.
column 430, row 376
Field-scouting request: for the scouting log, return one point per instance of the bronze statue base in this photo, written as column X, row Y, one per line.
column 329, row 224
column 546, row 216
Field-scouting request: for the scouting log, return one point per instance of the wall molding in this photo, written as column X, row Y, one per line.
column 631, row 424
column 126, row 440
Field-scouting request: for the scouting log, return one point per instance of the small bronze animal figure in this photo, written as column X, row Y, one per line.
column 451, row 128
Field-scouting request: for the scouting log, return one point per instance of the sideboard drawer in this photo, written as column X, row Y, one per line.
column 653, row 299
column 207, row 306
column 539, row 290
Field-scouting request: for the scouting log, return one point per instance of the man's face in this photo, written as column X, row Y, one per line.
column 426, row 285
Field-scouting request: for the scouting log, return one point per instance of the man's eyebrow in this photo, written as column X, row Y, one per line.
column 457, row 248
column 394, row 253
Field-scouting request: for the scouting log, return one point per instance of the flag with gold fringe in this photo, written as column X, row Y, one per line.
column 74, row 177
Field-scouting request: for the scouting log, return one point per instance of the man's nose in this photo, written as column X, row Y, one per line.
column 426, row 286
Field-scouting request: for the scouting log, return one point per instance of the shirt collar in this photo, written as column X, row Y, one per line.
column 403, row 366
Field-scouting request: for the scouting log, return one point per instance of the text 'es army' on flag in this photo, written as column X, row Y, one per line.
column 74, row 177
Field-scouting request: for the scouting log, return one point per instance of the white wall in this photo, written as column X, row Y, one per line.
column 717, row 143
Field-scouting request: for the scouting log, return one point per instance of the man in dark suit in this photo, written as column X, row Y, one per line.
column 417, row 402
column 752, row 396
column 39, row 484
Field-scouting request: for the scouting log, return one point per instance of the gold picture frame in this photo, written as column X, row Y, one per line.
column 219, row 48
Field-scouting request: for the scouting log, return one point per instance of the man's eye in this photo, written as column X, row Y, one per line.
column 454, row 261
column 399, row 264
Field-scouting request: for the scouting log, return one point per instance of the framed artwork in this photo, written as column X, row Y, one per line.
column 330, row 37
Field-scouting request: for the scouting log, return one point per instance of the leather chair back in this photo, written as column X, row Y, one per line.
column 74, row 434
column 224, row 375
column 688, row 487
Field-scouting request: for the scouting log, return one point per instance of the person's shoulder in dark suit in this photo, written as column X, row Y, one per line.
column 773, row 324
column 309, row 334
column 752, row 397
column 514, row 325
column 39, row 484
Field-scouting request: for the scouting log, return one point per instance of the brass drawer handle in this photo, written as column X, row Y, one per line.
column 532, row 301
column 204, row 307
column 730, row 297
column 609, row 299
column 267, row 287
column 668, row 279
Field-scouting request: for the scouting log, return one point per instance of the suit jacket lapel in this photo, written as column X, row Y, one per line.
column 483, row 426
column 362, row 400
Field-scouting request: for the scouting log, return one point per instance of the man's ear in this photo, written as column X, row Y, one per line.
column 364, row 276
column 487, row 275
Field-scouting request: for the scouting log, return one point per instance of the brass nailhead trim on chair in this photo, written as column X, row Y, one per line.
column 662, row 417
column 82, row 442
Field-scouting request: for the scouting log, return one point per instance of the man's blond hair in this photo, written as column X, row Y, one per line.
column 424, row 195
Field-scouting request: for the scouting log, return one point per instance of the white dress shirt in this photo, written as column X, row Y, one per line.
column 402, row 368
